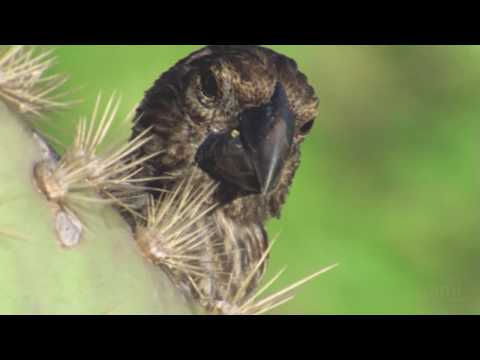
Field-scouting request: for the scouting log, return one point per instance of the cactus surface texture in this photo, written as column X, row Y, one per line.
column 56, row 259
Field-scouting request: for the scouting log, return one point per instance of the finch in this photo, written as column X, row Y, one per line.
column 233, row 117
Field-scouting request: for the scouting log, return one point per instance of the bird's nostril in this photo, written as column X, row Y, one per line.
column 234, row 133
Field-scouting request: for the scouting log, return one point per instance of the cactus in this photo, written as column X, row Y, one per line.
column 64, row 246
column 58, row 255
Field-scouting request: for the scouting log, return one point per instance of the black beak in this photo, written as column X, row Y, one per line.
column 252, row 157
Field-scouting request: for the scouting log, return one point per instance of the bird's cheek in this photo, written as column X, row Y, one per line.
column 224, row 159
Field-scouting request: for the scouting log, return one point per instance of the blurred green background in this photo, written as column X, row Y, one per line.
column 389, row 185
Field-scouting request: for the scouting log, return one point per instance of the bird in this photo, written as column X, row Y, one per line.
column 229, row 119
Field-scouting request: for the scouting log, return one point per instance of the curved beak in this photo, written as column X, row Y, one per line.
column 253, row 160
column 267, row 134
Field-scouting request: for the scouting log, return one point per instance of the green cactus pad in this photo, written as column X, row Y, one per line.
column 103, row 274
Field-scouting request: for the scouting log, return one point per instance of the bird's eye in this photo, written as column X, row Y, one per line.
column 305, row 129
column 209, row 84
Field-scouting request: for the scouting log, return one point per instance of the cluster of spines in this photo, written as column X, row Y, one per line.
column 173, row 232
column 25, row 84
column 84, row 167
column 240, row 301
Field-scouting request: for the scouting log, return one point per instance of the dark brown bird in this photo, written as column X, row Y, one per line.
column 234, row 116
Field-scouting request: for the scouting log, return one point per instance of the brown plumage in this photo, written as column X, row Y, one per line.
column 206, row 114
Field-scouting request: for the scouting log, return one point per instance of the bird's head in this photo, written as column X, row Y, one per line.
column 239, row 113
